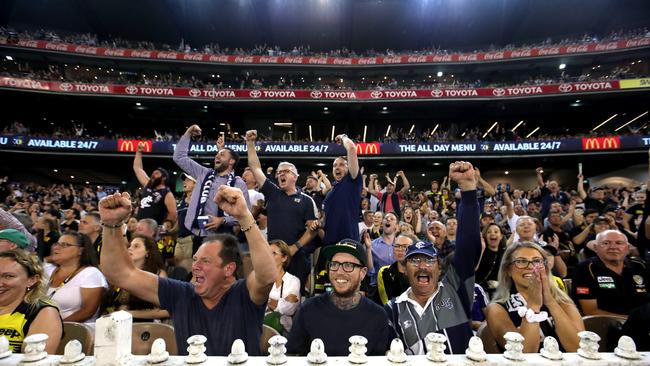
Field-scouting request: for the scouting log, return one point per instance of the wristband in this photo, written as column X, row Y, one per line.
column 104, row 225
column 531, row 316
column 246, row 229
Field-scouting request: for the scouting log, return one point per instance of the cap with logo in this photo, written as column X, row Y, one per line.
column 186, row 176
column 15, row 237
column 347, row 246
column 422, row 247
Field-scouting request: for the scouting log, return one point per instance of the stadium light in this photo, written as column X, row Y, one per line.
column 506, row 172
column 365, row 130
column 434, row 129
column 632, row 120
column 605, row 121
column 490, row 129
column 439, row 73
column 412, row 128
column 325, row 108
column 384, row 108
column 387, row 130
column 530, row 134
column 138, row 104
column 562, row 66
column 517, row 126
column 9, row 58
column 311, row 138
column 333, row 127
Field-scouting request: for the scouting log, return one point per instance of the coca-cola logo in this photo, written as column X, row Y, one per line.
column 376, row 94
column 436, row 93
column 195, row 92
column 316, row 94
column 255, row 93
column 66, row 86
column 565, row 88
column 131, row 89
column 498, row 92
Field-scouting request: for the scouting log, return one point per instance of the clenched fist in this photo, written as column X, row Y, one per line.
column 251, row 135
column 232, row 201
column 193, row 130
column 115, row 209
column 463, row 174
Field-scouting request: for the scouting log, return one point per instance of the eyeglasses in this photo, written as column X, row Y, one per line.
column 284, row 171
column 524, row 263
column 400, row 247
column 608, row 243
column 415, row 262
column 347, row 266
column 65, row 245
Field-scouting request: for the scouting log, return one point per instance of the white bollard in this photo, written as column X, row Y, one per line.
column 113, row 339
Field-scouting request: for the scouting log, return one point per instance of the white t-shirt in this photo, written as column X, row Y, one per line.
column 68, row 295
column 254, row 196
column 290, row 285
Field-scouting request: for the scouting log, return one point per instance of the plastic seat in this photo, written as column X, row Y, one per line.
column 144, row 334
column 608, row 327
column 267, row 333
column 80, row 332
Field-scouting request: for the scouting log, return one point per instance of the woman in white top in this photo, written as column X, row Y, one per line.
column 285, row 294
column 76, row 284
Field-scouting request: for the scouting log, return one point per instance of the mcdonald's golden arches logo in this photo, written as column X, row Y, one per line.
column 601, row 143
column 132, row 145
column 368, row 148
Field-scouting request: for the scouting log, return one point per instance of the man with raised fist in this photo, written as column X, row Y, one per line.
column 216, row 304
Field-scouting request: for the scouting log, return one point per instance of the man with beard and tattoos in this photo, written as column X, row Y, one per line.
column 445, row 306
column 335, row 317
column 208, row 182
column 157, row 201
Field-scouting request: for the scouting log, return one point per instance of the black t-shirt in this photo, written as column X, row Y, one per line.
column 73, row 226
column 637, row 212
column 599, row 206
column 488, row 269
column 152, row 204
column 613, row 292
column 317, row 196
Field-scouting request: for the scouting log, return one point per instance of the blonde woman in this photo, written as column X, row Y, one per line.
column 529, row 302
column 24, row 307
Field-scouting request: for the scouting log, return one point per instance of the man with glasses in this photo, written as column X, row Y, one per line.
column 610, row 283
column 392, row 280
column 335, row 317
column 291, row 213
column 446, row 306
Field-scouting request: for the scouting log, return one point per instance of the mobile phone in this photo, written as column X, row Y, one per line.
column 203, row 220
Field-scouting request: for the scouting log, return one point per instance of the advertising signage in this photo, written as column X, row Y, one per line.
column 364, row 149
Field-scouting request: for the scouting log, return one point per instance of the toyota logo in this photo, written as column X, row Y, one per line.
column 565, row 88
column 498, row 92
column 65, row 86
column 255, row 93
column 195, row 92
column 316, row 94
column 376, row 94
column 131, row 89
column 436, row 93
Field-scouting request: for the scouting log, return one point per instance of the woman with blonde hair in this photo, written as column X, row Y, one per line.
column 529, row 302
column 24, row 306
column 284, row 298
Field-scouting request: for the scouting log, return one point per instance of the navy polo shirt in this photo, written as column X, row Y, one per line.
column 342, row 207
column 287, row 214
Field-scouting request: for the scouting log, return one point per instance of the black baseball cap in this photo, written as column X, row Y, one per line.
column 347, row 246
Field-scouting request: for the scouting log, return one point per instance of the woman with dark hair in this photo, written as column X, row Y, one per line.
column 145, row 256
column 24, row 307
column 284, row 298
column 494, row 244
column 413, row 218
column 76, row 284
column 529, row 302
column 46, row 236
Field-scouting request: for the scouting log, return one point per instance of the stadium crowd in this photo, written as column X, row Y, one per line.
column 94, row 40
column 238, row 248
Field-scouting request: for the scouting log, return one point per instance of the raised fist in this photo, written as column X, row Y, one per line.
column 193, row 130
column 141, row 147
column 221, row 142
column 339, row 139
column 539, row 170
column 463, row 174
column 231, row 200
column 251, row 135
column 115, row 208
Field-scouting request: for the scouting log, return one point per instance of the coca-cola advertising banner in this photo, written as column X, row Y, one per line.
column 473, row 57
column 311, row 150
column 308, row 95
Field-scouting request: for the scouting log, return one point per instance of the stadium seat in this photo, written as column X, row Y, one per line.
column 608, row 327
column 489, row 343
column 267, row 333
column 144, row 334
column 80, row 332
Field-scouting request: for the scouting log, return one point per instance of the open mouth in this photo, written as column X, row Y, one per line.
column 199, row 279
column 423, row 278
